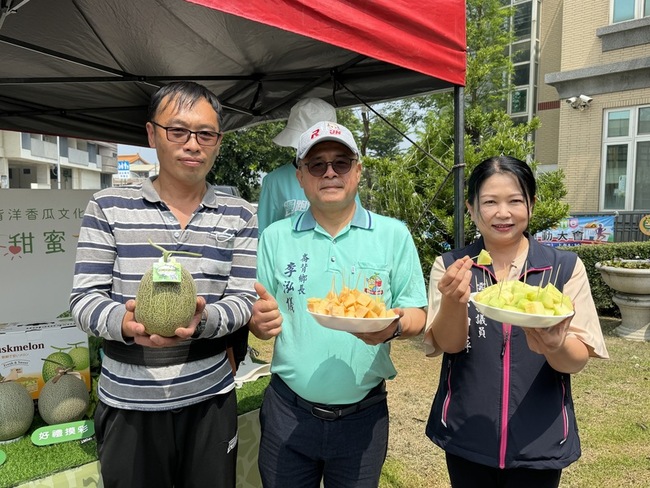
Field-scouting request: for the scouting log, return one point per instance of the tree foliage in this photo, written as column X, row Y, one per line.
column 415, row 184
column 422, row 176
column 248, row 153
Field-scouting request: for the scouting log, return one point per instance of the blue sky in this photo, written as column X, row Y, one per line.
column 146, row 153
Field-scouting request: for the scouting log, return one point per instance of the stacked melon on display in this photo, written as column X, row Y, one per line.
column 64, row 397
column 16, row 410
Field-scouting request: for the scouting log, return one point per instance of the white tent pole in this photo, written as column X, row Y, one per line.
column 58, row 162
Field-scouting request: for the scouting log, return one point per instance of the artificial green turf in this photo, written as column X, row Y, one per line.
column 26, row 462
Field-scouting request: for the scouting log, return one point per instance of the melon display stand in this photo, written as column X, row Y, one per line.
column 87, row 473
column 248, row 475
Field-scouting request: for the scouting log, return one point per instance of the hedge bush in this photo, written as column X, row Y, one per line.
column 592, row 254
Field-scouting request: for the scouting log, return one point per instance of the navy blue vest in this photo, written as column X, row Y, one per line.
column 498, row 403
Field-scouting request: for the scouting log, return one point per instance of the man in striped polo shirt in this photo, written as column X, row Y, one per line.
column 167, row 412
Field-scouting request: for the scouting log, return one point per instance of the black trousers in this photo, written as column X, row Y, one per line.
column 297, row 450
column 466, row 474
column 191, row 447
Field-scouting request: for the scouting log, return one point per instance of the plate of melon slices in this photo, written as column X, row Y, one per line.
column 351, row 310
column 352, row 324
column 518, row 303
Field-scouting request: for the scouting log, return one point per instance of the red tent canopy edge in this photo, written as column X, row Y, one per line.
column 427, row 36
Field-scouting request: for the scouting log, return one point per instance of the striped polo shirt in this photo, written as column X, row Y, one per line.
column 113, row 254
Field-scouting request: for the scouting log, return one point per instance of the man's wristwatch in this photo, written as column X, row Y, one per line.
column 397, row 333
column 200, row 327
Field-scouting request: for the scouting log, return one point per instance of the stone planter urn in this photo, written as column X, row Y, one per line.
column 630, row 280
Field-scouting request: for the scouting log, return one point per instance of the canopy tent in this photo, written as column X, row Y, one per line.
column 87, row 68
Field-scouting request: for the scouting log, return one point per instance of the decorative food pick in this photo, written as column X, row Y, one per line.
column 518, row 296
column 166, row 297
column 350, row 303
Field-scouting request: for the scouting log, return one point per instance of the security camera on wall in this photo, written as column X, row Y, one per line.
column 580, row 102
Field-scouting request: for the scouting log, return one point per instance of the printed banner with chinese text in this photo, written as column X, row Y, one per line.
column 574, row 231
column 38, row 243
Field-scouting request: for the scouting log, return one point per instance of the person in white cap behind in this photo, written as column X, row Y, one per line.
column 281, row 194
column 324, row 414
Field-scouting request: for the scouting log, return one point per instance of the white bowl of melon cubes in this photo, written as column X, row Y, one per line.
column 351, row 311
column 518, row 303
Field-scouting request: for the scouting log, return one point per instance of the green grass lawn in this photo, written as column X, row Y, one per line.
column 613, row 408
column 612, row 401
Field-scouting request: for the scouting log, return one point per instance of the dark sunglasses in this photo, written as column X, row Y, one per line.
column 341, row 165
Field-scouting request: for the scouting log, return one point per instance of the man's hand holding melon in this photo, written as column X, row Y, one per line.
column 135, row 330
column 166, row 309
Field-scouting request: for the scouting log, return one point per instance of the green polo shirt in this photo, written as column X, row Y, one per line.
column 297, row 260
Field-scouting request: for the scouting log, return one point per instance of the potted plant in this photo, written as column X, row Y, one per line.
column 630, row 280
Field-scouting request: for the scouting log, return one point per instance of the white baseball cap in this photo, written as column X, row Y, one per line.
column 322, row 132
column 303, row 115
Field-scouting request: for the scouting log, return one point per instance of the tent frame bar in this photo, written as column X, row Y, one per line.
column 459, row 166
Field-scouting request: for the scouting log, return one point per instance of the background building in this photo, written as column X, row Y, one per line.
column 594, row 101
column 132, row 168
column 35, row 161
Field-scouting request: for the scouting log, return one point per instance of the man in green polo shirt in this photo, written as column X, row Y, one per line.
column 325, row 413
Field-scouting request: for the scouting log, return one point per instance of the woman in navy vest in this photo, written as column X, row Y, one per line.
column 503, row 411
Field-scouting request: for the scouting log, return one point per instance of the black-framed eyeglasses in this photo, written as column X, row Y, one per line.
column 341, row 165
column 181, row 135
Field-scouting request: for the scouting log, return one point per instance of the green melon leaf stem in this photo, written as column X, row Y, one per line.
column 60, row 371
column 166, row 253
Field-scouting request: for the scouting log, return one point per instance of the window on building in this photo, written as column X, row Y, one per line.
column 519, row 101
column 626, row 165
column 522, row 52
column 522, row 20
column 623, row 10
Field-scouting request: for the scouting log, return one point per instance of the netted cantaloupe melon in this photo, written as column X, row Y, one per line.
column 54, row 362
column 62, row 399
column 164, row 306
column 16, row 410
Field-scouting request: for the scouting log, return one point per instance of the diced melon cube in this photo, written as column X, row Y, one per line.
column 361, row 312
column 496, row 302
column 338, row 310
column 363, row 299
column 534, row 308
